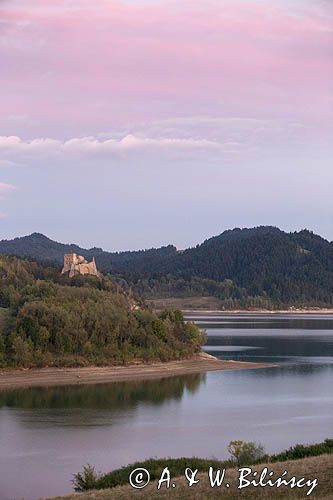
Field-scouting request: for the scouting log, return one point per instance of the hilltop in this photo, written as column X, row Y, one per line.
column 261, row 267
column 49, row 319
column 39, row 247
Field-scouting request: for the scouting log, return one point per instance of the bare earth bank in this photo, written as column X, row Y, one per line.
column 12, row 379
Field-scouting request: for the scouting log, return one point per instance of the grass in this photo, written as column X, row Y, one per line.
column 248, row 454
column 320, row 467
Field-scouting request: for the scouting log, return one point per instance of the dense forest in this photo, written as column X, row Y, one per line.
column 48, row 319
column 259, row 267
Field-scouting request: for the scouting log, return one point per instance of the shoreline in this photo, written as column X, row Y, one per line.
column 259, row 311
column 44, row 377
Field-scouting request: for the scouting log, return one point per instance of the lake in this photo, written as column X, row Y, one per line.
column 48, row 434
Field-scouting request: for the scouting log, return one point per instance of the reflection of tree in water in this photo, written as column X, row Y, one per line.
column 299, row 368
column 273, row 348
column 117, row 395
column 284, row 370
column 308, row 323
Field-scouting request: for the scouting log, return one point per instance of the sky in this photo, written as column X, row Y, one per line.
column 137, row 123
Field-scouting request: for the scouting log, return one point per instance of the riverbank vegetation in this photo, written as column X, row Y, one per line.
column 50, row 320
column 316, row 464
column 241, row 453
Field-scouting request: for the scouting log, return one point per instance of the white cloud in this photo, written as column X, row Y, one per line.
column 14, row 145
column 6, row 189
column 213, row 137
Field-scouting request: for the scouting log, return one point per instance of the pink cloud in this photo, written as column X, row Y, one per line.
column 88, row 66
column 6, row 189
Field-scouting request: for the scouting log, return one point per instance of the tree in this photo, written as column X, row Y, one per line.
column 22, row 351
column 245, row 453
column 85, row 480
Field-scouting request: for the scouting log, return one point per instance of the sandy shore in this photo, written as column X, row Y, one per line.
column 94, row 375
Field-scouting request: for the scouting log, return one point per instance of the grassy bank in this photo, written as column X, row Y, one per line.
column 308, row 461
column 320, row 467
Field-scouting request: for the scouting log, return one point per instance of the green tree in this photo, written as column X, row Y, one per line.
column 245, row 453
column 22, row 351
column 85, row 480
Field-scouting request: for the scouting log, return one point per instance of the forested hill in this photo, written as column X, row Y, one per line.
column 262, row 266
column 50, row 319
column 39, row 247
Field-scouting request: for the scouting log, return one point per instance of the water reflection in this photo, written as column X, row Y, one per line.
column 46, row 434
column 299, row 348
column 120, row 395
column 272, row 321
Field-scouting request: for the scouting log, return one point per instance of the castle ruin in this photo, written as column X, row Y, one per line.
column 75, row 264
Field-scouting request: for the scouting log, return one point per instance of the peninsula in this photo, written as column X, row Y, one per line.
column 79, row 327
column 202, row 362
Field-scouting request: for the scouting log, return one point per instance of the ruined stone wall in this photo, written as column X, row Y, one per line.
column 70, row 259
column 76, row 264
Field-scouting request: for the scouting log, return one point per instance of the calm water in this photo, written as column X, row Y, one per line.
column 48, row 434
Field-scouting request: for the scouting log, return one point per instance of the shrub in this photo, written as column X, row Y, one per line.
column 155, row 467
column 302, row 451
column 85, row 480
column 244, row 453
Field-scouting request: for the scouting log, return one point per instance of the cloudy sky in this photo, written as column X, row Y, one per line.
column 131, row 124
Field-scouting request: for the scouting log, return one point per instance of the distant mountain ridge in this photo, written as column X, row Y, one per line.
column 40, row 247
column 262, row 262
